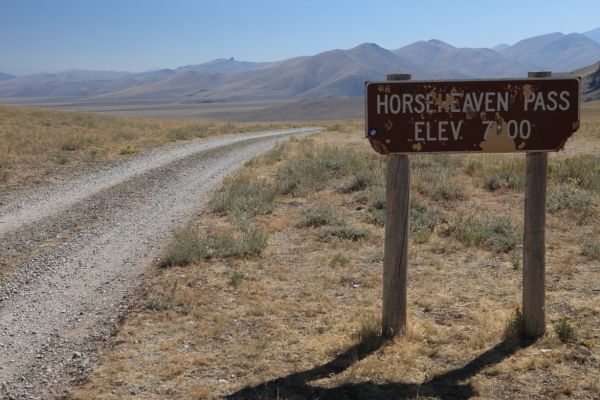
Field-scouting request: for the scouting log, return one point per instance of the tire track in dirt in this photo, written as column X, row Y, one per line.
column 58, row 305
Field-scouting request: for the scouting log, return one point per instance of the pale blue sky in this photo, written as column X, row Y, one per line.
column 136, row 35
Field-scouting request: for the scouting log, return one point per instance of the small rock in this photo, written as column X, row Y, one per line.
column 76, row 354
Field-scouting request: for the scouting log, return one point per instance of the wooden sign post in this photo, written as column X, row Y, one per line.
column 395, row 249
column 534, row 251
column 403, row 117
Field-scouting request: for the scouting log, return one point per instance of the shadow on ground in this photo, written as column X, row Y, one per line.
column 448, row 385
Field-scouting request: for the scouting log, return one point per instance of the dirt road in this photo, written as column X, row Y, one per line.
column 76, row 251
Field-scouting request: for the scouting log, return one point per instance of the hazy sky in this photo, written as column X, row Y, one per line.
column 136, row 35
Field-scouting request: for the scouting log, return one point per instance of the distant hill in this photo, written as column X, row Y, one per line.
column 590, row 81
column 452, row 62
column 500, row 47
column 593, row 34
column 555, row 52
column 339, row 73
column 5, row 77
column 222, row 66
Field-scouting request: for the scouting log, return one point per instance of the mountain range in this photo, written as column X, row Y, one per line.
column 331, row 74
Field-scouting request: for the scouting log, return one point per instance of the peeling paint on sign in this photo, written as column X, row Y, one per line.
column 496, row 116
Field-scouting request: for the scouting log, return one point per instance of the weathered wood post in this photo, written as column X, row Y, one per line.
column 534, row 253
column 395, row 251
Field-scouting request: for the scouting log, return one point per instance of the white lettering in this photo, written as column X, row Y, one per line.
column 381, row 103
column 407, row 101
column 442, row 125
column 565, row 104
column 502, row 102
column 456, row 128
column 539, row 102
column 418, row 130
column 420, row 100
column 489, row 101
column 395, row 103
column 552, row 104
column 529, row 100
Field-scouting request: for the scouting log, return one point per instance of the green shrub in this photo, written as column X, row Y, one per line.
column 376, row 217
column 69, row 146
column 243, row 196
column 127, row 151
column 158, row 304
column 250, row 242
column 188, row 132
column 437, row 185
column 320, row 216
column 236, row 279
column 422, row 221
column 497, row 233
column 360, row 181
column 515, row 325
column 566, row 197
column 343, row 232
column 339, row 259
column 590, row 249
column 508, row 174
column 185, row 248
column 564, row 330
column 582, row 171
column 312, row 168
column 368, row 336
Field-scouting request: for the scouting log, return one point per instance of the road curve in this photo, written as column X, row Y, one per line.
column 78, row 249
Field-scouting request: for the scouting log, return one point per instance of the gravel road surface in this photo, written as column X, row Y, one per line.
column 73, row 253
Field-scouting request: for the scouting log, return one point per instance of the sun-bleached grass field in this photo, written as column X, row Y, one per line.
column 275, row 292
column 37, row 145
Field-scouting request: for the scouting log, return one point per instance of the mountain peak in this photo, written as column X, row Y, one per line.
column 369, row 46
column 438, row 42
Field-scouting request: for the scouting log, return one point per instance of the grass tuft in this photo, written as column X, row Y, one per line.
column 339, row 260
column 508, row 174
column 567, row 197
column 242, row 195
column 497, row 234
column 187, row 247
column 590, row 249
column 564, row 330
column 343, row 232
column 368, row 336
column 515, row 325
column 236, row 279
column 320, row 216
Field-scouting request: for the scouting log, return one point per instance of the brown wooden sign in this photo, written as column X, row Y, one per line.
column 491, row 116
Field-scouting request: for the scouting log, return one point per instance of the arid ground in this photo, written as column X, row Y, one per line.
column 274, row 292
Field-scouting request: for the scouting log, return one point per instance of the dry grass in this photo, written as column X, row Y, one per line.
column 38, row 144
column 302, row 322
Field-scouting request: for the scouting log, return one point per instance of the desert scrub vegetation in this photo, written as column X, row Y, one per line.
column 564, row 330
column 313, row 168
column 571, row 198
column 320, row 215
column 497, row 233
column 32, row 138
column 582, row 171
column 506, row 174
column 300, row 307
column 243, row 195
column 433, row 176
column 590, row 249
column 190, row 246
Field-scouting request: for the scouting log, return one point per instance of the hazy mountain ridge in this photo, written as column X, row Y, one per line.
column 335, row 73
column 5, row 77
column 555, row 52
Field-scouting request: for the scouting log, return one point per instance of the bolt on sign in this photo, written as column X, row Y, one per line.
column 488, row 116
